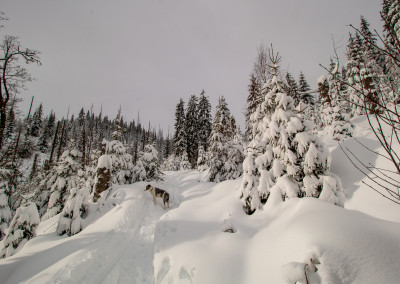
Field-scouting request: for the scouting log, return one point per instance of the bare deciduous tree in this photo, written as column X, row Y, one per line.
column 261, row 69
column 12, row 75
column 383, row 116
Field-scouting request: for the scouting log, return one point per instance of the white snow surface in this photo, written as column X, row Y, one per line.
column 204, row 237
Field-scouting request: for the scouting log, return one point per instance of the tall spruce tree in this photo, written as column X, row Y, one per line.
column 254, row 99
column 47, row 134
column 223, row 131
column 180, row 135
column 37, row 120
column 304, row 89
column 204, row 121
column 293, row 88
column 192, row 130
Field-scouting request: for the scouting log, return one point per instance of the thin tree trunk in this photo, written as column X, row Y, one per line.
column 54, row 144
column 30, row 108
column 61, row 142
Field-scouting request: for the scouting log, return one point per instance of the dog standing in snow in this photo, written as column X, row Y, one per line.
column 156, row 192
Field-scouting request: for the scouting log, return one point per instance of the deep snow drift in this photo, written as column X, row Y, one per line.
column 206, row 238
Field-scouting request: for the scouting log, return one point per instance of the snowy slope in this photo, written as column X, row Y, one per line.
column 352, row 247
column 206, row 238
column 116, row 248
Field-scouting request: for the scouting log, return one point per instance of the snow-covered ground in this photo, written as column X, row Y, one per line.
column 206, row 238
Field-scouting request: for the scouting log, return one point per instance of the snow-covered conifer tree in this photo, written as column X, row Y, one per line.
column 254, row 99
column 204, row 121
column 172, row 163
column 249, row 186
column 234, row 163
column 304, row 89
column 138, row 171
column 48, row 132
column 22, row 229
column 293, row 88
column 121, row 162
column 179, row 135
column 37, row 121
column 192, row 130
column 223, row 132
column 150, row 161
column 202, row 160
column 75, row 210
column 354, row 67
column 65, row 178
column 5, row 211
column 290, row 159
column 184, row 162
column 335, row 119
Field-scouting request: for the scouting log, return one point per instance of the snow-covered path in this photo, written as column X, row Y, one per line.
column 118, row 247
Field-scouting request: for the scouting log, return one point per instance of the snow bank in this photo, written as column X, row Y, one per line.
column 351, row 247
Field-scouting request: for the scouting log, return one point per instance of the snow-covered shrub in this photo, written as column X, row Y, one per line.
column 225, row 149
column 302, row 272
column 234, row 164
column 75, row 210
column 172, row 163
column 250, row 180
column 121, row 162
column 65, row 178
column 202, row 160
column 335, row 116
column 138, row 172
column 336, row 123
column 147, row 167
column 5, row 211
column 88, row 176
column 228, row 226
column 150, row 162
column 184, row 162
column 22, row 229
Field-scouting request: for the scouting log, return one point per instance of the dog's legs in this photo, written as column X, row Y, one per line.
column 163, row 197
column 154, row 200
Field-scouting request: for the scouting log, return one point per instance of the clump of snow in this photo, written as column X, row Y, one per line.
column 104, row 161
column 321, row 79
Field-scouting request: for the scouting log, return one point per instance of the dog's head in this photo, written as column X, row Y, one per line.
column 148, row 187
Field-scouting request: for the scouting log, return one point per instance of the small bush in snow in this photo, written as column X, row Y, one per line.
column 147, row 167
column 302, row 272
column 202, row 160
column 226, row 152
column 75, row 210
column 122, row 165
column 22, row 229
column 5, row 212
column 65, row 178
column 184, row 163
column 172, row 163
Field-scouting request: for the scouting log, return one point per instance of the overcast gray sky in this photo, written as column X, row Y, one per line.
column 145, row 55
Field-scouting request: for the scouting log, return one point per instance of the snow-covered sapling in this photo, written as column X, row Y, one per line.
column 22, row 229
column 75, row 210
